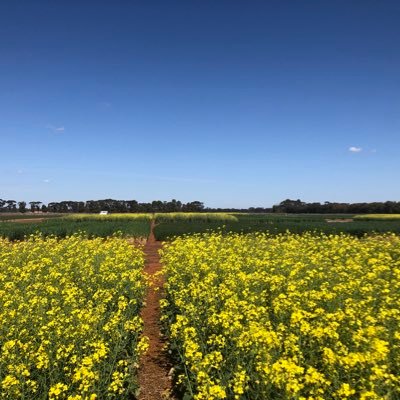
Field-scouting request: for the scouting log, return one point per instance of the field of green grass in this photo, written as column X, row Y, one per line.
column 275, row 223
column 13, row 216
column 170, row 225
column 63, row 227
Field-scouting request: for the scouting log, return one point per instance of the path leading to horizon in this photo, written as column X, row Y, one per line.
column 154, row 368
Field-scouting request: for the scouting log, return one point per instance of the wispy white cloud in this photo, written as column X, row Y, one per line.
column 46, row 180
column 55, row 129
column 354, row 149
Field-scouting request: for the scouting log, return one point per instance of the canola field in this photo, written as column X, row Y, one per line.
column 284, row 317
column 69, row 311
column 110, row 217
column 378, row 217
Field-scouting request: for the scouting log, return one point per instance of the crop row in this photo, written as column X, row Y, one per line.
column 158, row 217
column 110, row 217
column 95, row 225
column 69, row 312
column 66, row 227
column 284, row 317
column 276, row 224
column 378, row 217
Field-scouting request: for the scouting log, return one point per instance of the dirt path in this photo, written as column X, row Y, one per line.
column 154, row 366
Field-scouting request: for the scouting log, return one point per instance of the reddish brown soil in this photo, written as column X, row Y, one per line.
column 154, row 366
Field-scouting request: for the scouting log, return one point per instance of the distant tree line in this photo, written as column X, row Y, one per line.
column 133, row 206
column 252, row 210
column 298, row 207
column 95, row 206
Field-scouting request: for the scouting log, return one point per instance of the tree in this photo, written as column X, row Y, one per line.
column 22, row 207
column 132, row 206
column 11, row 205
column 194, row 206
column 35, row 205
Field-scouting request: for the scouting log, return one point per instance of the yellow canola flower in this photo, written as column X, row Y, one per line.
column 56, row 390
column 289, row 316
column 69, row 312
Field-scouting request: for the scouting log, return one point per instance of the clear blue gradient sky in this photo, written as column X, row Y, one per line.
column 234, row 103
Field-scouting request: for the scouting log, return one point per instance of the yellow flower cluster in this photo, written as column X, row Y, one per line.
column 285, row 317
column 69, row 312
column 383, row 217
column 195, row 216
column 112, row 216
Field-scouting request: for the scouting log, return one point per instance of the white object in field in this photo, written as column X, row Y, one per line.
column 103, row 212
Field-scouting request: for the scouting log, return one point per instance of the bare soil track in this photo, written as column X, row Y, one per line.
column 154, row 381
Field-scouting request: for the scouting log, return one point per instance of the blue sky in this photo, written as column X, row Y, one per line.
column 233, row 103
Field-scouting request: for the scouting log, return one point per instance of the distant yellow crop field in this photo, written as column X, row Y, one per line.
column 195, row 216
column 377, row 217
column 160, row 217
column 111, row 216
